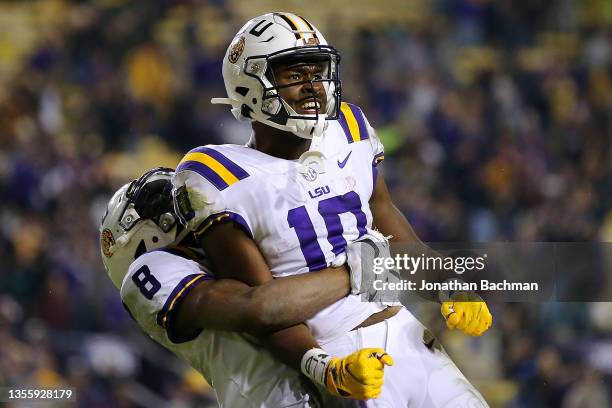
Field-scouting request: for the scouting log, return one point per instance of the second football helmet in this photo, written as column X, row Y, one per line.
column 139, row 218
column 249, row 79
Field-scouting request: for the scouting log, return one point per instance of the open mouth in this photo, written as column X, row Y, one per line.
column 310, row 106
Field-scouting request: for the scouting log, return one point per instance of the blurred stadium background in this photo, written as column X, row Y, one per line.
column 497, row 121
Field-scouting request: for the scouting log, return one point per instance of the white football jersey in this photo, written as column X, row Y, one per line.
column 241, row 373
column 300, row 220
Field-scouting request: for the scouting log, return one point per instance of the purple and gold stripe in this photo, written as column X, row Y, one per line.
column 310, row 27
column 353, row 123
column 291, row 24
column 221, row 217
column 178, row 294
column 378, row 158
column 213, row 166
column 301, row 28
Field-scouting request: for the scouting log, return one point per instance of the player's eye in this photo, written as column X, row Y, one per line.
column 295, row 77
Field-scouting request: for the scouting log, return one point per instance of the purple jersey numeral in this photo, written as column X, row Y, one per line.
column 146, row 282
column 298, row 218
column 330, row 209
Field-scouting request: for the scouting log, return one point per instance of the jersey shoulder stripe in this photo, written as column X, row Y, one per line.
column 224, row 216
column 214, row 166
column 178, row 293
column 353, row 122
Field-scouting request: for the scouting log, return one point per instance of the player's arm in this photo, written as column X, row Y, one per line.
column 465, row 311
column 387, row 218
column 234, row 255
column 275, row 305
column 390, row 221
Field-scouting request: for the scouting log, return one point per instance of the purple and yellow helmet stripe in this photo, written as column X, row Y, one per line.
column 300, row 27
column 353, row 123
column 213, row 166
column 310, row 27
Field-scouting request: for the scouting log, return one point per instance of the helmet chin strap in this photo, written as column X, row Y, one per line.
column 237, row 112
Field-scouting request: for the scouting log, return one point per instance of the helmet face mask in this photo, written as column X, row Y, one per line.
column 139, row 219
column 279, row 109
column 150, row 197
column 254, row 92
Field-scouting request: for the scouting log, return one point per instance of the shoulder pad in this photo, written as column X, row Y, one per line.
column 353, row 122
column 214, row 166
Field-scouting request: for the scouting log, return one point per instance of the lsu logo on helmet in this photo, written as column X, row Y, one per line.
column 106, row 241
column 236, row 51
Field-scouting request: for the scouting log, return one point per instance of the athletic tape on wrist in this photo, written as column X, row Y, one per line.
column 314, row 364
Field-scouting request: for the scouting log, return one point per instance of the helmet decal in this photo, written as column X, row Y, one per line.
column 236, row 51
column 107, row 241
column 258, row 30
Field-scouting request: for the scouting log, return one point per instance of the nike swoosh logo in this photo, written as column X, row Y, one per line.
column 342, row 163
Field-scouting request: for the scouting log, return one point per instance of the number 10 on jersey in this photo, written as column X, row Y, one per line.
column 330, row 209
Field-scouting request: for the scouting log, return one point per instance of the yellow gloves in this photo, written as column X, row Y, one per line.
column 357, row 376
column 467, row 312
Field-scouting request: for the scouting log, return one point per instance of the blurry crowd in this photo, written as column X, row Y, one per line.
column 497, row 121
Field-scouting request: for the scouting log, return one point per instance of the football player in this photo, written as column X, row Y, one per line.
column 304, row 187
column 167, row 288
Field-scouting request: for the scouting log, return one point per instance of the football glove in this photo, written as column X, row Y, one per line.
column 360, row 259
column 357, row 376
column 467, row 312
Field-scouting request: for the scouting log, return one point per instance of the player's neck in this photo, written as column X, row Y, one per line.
column 278, row 143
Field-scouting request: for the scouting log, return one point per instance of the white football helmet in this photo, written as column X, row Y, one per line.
column 249, row 79
column 139, row 218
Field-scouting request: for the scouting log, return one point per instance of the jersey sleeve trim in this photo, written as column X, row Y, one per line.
column 221, row 217
column 164, row 316
column 353, row 123
column 213, row 166
column 378, row 158
column 374, row 176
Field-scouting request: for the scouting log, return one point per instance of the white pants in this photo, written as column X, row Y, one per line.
column 422, row 376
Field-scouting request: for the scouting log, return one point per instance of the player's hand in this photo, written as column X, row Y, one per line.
column 467, row 312
column 360, row 255
column 358, row 375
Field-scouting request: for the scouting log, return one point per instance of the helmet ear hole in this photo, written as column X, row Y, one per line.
column 141, row 249
column 242, row 90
